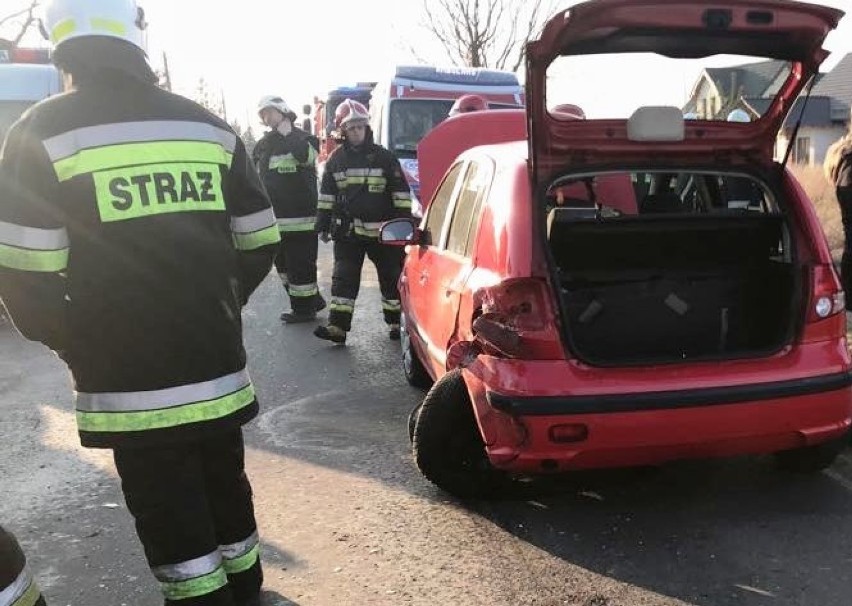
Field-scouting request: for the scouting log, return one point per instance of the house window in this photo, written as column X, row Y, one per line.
column 802, row 151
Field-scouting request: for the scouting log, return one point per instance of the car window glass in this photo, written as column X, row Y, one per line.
column 471, row 193
column 439, row 206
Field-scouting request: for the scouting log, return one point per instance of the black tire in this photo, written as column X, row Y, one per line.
column 810, row 459
column 447, row 445
column 412, row 421
column 415, row 372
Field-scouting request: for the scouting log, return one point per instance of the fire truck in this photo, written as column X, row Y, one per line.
column 26, row 77
column 415, row 98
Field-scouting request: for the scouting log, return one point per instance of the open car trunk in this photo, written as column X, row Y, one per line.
column 663, row 284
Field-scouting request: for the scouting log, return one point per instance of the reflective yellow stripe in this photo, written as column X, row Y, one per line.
column 302, row 290
column 156, row 189
column 30, row 597
column 192, row 588
column 323, row 205
column 312, row 155
column 291, row 227
column 342, row 305
column 253, row 241
column 111, row 157
column 109, row 26
column 33, row 260
column 374, row 181
column 243, row 562
column 62, row 30
column 22, row 591
column 283, row 164
column 368, row 233
column 166, row 417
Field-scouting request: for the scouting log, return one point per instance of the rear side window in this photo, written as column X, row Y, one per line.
column 467, row 208
column 440, row 205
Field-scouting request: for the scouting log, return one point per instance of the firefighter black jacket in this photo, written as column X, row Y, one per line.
column 287, row 166
column 368, row 182
column 133, row 228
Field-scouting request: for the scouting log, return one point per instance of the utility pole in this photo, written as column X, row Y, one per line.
column 166, row 74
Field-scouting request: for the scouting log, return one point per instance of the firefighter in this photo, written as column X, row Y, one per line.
column 133, row 230
column 286, row 158
column 17, row 587
column 362, row 187
column 468, row 103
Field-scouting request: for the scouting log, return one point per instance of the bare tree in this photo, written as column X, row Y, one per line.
column 486, row 33
column 19, row 22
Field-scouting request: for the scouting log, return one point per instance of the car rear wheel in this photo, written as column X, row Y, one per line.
column 809, row 459
column 415, row 372
column 447, row 445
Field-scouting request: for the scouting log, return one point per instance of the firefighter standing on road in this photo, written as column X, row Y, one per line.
column 133, row 230
column 286, row 158
column 17, row 587
column 362, row 187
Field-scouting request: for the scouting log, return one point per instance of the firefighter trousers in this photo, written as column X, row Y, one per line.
column 296, row 263
column 349, row 256
column 192, row 504
column 17, row 587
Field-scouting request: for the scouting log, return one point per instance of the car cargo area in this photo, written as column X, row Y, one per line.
column 667, row 268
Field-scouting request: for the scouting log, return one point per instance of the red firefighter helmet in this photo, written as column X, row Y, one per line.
column 348, row 111
column 468, row 103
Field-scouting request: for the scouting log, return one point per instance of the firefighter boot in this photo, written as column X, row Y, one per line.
column 332, row 333
column 393, row 332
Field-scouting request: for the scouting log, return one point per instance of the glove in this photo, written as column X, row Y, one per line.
column 325, row 237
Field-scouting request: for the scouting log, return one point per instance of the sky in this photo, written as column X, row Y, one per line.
column 245, row 50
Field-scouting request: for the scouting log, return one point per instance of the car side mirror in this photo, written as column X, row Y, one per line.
column 399, row 232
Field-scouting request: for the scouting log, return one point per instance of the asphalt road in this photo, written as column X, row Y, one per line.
column 346, row 519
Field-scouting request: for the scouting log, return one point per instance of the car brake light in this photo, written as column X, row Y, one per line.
column 29, row 55
column 517, row 320
column 827, row 296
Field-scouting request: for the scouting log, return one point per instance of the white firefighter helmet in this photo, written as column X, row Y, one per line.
column 69, row 19
column 348, row 111
column 739, row 115
column 276, row 102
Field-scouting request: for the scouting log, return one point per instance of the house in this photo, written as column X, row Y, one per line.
column 824, row 114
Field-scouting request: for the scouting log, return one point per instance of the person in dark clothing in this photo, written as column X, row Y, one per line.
column 17, row 587
column 133, row 229
column 838, row 170
column 362, row 187
column 286, row 159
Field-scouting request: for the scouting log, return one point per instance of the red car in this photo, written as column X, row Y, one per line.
column 604, row 293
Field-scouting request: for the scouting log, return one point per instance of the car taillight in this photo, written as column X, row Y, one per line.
column 517, row 320
column 827, row 296
column 29, row 55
